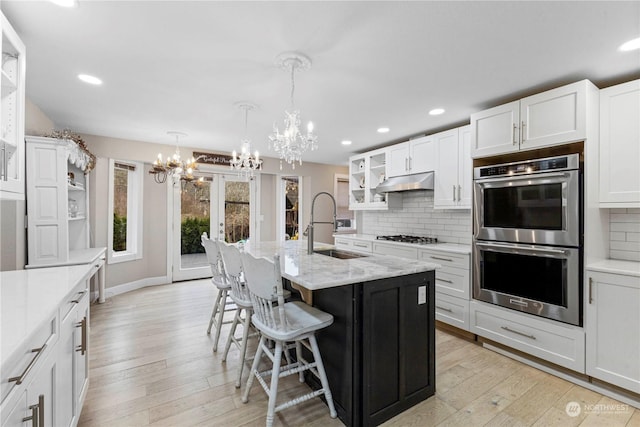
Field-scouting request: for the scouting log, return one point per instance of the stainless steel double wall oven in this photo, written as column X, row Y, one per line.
column 527, row 248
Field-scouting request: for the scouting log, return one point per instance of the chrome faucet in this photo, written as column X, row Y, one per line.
column 309, row 231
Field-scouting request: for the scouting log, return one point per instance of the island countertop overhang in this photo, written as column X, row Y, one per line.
column 316, row 271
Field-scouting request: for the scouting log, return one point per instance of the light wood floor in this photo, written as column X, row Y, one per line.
column 152, row 364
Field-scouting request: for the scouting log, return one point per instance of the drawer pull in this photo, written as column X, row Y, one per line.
column 361, row 245
column 82, row 348
column 79, row 297
column 20, row 378
column 443, row 280
column 442, row 259
column 444, row 309
column 519, row 333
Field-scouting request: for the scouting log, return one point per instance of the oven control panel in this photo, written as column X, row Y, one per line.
column 529, row 166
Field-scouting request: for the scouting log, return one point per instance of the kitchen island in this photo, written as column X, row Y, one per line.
column 379, row 353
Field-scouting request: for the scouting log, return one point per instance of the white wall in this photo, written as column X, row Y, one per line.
column 417, row 217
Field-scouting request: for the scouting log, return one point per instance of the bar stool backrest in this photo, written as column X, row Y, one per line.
column 214, row 259
column 233, row 270
column 264, row 280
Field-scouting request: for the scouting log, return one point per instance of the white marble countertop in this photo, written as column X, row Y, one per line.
column 446, row 247
column 317, row 271
column 628, row 268
column 29, row 298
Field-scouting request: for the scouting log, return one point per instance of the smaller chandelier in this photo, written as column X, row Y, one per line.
column 245, row 163
column 291, row 143
column 174, row 165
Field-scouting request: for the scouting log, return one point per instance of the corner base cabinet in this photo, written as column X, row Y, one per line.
column 613, row 328
column 379, row 352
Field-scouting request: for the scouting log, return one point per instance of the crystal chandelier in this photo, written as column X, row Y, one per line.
column 291, row 143
column 245, row 163
column 174, row 165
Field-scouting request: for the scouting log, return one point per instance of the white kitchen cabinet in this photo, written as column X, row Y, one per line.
column 612, row 324
column 453, row 169
column 12, row 111
column 44, row 344
column 620, row 146
column 58, row 208
column 557, row 116
column 453, row 286
column 366, row 171
column 555, row 342
column 415, row 156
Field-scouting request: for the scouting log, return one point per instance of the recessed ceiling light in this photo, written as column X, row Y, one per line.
column 436, row 111
column 346, row 142
column 90, row 79
column 65, row 3
column 383, row 130
column 630, row 45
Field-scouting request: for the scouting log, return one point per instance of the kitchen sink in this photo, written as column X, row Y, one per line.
column 335, row 253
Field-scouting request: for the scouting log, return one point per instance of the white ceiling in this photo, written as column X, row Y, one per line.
column 176, row 65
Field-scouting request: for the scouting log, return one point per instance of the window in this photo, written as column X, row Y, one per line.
column 346, row 218
column 290, row 188
column 125, row 211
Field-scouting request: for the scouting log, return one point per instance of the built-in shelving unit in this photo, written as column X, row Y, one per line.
column 366, row 171
column 12, row 94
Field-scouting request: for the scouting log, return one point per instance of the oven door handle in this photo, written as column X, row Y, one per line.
column 515, row 249
column 527, row 177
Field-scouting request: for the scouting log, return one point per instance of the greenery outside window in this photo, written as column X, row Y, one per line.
column 125, row 211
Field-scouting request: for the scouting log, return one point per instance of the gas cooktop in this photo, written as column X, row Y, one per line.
column 409, row 239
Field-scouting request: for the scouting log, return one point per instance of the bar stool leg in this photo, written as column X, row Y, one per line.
column 299, row 360
column 254, row 369
column 273, row 390
column 323, row 375
column 232, row 332
column 222, row 303
column 216, row 307
column 246, row 324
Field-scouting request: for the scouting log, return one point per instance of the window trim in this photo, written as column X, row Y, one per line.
column 134, row 211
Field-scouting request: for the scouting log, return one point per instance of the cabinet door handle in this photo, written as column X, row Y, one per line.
column 459, row 191
column 82, row 348
column 4, row 162
column 515, row 136
column 523, row 136
column 406, row 164
column 409, row 162
column 443, row 280
column 518, row 332
column 454, row 193
column 441, row 259
column 444, row 309
column 37, row 413
column 20, row 378
column 590, row 290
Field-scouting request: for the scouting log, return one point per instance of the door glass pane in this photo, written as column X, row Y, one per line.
column 528, row 207
column 236, row 211
column 194, row 220
column 533, row 277
column 291, row 203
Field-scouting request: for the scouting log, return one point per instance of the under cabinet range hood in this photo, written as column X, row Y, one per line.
column 418, row 181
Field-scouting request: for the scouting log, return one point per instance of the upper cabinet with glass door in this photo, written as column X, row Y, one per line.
column 12, row 145
column 366, row 171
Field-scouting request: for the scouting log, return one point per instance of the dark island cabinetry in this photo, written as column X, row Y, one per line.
column 379, row 352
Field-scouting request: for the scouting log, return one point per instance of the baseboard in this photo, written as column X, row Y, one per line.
column 132, row 286
column 585, row 381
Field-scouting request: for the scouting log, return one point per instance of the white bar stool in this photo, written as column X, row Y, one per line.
column 219, row 280
column 292, row 322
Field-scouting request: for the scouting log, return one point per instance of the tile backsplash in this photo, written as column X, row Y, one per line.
column 624, row 234
column 417, row 217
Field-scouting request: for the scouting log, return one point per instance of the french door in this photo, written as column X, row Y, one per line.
column 223, row 206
